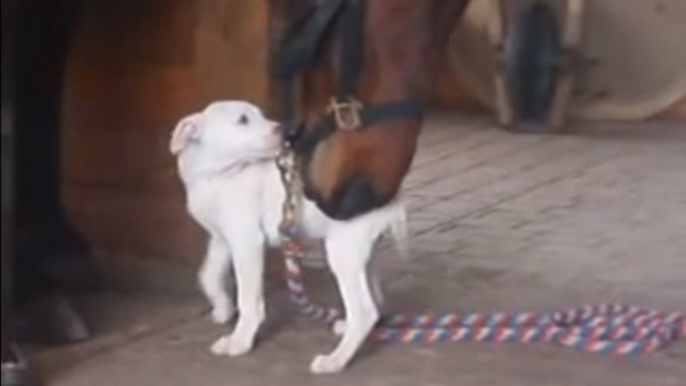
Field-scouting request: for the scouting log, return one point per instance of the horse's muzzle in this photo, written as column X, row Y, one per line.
column 291, row 131
column 355, row 197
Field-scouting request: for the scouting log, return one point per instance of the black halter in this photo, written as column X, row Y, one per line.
column 301, row 43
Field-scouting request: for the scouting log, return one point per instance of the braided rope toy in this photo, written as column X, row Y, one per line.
column 614, row 329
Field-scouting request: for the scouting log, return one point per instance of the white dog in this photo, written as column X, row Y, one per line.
column 226, row 160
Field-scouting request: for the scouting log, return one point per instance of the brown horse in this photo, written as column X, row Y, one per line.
column 350, row 172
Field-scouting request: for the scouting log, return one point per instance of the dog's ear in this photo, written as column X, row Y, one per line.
column 186, row 130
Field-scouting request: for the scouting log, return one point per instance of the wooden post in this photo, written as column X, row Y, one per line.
column 496, row 34
column 570, row 44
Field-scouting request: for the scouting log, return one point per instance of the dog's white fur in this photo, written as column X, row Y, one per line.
column 226, row 157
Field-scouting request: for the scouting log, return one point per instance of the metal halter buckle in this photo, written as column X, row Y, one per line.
column 346, row 113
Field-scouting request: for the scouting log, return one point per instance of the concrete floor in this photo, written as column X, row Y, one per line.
column 498, row 221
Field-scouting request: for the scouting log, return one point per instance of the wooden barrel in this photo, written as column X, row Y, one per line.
column 231, row 50
column 470, row 54
column 640, row 58
column 134, row 68
column 636, row 65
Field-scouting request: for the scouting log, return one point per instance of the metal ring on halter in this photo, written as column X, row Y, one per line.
column 346, row 113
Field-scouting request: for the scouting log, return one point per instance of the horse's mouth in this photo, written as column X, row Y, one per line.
column 354, row 197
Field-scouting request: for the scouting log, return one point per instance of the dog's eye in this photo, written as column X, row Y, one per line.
column 243, row 120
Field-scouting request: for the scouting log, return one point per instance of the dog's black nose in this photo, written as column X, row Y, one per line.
column 357, row 196
column 291, row 131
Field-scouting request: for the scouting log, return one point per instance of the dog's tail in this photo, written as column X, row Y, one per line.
column 398, row 229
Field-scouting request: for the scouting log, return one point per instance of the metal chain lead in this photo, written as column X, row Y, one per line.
column 286, row 164
column 291, row 242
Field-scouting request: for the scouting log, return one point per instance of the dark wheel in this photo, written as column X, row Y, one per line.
column 534, row 56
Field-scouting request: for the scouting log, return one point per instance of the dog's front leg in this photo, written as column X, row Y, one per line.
column 348, row 254
column 248, row 261
column 212, row 277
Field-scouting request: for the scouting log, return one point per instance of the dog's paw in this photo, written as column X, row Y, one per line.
column 222, row 314
column 338, row 327
column 231, row 346
column 327, row 364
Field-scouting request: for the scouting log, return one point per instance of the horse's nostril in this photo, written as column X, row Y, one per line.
column 357, row 196
column 290, row 131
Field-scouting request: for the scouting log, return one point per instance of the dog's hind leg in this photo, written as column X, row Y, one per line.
column 377, row 295
column 375, row 286
column 348, row 252
column 212, row 278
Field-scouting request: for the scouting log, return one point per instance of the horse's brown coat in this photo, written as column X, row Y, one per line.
column 404, row 40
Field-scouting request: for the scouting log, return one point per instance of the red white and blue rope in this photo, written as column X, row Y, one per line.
column 615, row 329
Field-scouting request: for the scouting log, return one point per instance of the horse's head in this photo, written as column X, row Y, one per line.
column 386, row 65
